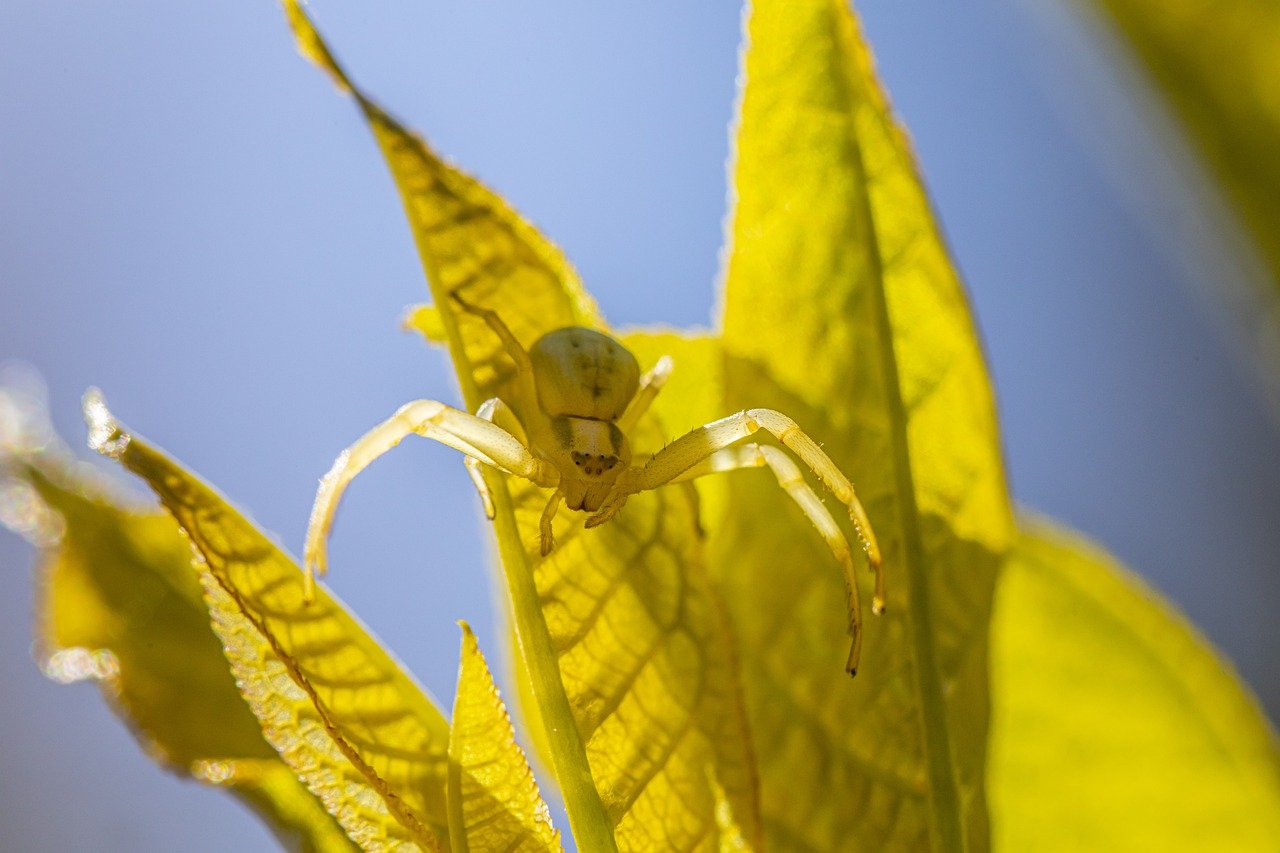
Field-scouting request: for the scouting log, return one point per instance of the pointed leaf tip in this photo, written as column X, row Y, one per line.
column 494, row 802
column 335, row 705
column 312, row 46
column 106, row 436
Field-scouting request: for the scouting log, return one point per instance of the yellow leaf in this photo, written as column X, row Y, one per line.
column 494, row 803
column 334, row 704
column 843, row 310
column 619, row 629
column 1218, row 66
column 120, row 603
column 1115, row 725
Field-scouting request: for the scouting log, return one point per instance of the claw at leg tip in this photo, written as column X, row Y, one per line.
column 877, row 606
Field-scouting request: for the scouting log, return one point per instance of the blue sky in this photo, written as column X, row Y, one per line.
column 193, row 220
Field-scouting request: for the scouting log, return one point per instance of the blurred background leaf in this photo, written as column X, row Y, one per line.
column 120, row 603
column 1115, row 726
column 1216, row 68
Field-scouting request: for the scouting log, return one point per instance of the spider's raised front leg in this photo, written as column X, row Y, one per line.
column 697, row 445
column 650, row 384
column 523, row 393
column 473, row 436
column 793, row 482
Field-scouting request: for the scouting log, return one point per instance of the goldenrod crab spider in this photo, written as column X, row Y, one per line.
column 576, row 395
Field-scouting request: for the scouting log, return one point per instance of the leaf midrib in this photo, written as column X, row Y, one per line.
column 945, row 822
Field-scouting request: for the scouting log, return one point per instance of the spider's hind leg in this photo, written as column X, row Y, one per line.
column 701, row 445
column 793, row 482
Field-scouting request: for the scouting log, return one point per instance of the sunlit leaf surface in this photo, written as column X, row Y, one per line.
column 336, row 706
column 120, row 603
column 620, row 631
column 1217, row 64
column 494, row 801
column 842, row 309
column 1115, row 726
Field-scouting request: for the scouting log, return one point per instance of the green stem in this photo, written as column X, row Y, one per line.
column 592, row 829
column 590, row 825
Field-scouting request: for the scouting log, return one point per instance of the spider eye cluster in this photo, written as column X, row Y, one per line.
column 594, row 464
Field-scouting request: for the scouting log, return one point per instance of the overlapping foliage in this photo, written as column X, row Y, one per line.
column 683, row 662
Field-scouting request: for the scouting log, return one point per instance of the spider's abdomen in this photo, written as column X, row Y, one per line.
column 582, row 373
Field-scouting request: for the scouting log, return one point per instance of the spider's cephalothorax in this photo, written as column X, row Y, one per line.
column 584, row 382
column 577, row 393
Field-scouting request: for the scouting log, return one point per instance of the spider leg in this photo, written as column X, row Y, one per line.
column 525, row 389
column 471, row 435
column 547, row 539
column 487, row 411
column 793, row 482
column 650, row 384
column 698, row 444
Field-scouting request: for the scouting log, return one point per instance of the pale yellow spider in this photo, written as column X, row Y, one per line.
column 577, row 394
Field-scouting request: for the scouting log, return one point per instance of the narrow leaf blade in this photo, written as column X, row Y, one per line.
column 337, row 707
column 493, row 799
column 843, row 310
column 1115, row 725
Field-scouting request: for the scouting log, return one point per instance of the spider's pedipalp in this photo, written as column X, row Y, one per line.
column 547, row 539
